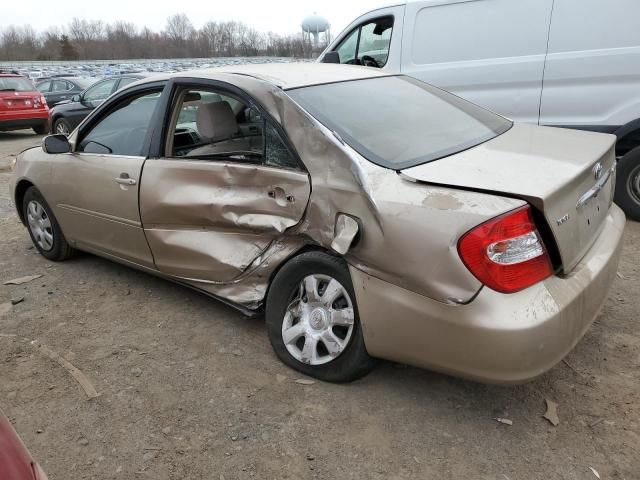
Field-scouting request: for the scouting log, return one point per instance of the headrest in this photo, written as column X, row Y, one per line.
column 216, row 121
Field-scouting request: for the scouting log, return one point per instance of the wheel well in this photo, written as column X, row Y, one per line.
column 304, row 249
column 21, row 189
column 628, row 139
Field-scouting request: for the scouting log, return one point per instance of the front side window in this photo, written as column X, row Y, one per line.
column 100, row 91
column 123, row 130
column 399, row 122
column 368, row 44
column 209, row 124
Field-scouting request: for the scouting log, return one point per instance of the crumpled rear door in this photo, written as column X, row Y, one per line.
column 209, row 220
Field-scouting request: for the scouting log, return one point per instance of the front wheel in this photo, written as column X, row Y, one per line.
column 61, row 126
column 312, row 319
column 628, row 184
column 43, row 227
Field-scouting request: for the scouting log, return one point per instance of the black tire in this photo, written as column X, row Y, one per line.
column 354, row 361
column 40, row 129
column 60, row 249
column 61, row 126
column 628, row 184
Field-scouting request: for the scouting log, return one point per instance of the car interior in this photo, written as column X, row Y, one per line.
column 209, row 124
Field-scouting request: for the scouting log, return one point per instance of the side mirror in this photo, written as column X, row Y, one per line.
column 76, row 98
column 331, row 57
column 58, row 143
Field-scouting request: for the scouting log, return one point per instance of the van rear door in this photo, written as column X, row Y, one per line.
column 490, row 52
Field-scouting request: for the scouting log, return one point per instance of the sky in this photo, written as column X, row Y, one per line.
column 280, row 16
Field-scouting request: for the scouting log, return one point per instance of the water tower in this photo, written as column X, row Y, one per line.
column 314, row 25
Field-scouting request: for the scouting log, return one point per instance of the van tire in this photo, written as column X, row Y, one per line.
column 627, row 194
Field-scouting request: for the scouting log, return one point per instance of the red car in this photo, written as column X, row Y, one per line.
column 15, row 460
column 21, row 104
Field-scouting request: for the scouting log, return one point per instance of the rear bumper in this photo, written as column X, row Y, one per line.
column 496, row 338
column 23, row 119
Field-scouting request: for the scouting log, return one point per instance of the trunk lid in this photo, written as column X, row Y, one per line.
column 16, row 101
column 567, row 175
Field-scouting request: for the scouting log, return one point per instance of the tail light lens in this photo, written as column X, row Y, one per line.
column 506, row 253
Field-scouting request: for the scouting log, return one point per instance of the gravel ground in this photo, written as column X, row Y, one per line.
column 190, row 389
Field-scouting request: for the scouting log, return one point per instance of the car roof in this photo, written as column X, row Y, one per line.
column 287, row 75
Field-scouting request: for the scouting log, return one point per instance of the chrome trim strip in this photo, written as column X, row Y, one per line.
column 104, row 216
column 595, row 190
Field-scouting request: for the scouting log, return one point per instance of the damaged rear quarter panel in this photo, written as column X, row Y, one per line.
column 409, row 231
column 216, row 227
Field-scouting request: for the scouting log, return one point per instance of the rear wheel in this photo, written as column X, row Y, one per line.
column 40, row 129
column 43, row 227
column 628, row 184
column 61, row 126
column 312, row 319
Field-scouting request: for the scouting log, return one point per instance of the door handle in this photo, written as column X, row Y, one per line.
column 280, row 196
column 125, row 179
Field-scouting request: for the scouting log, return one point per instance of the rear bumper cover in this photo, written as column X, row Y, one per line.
column 23, row 119
column 496, row 338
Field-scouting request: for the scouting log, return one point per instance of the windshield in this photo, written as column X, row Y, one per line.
column 399, row 122
column 16, row 84
column 84, row 83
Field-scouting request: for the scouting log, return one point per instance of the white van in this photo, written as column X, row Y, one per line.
column 566, row 63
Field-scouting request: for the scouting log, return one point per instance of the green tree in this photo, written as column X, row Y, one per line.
column 67, row 50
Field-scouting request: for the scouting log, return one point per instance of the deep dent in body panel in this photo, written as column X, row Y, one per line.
column 392, row 213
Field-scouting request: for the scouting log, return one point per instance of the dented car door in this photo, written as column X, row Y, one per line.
column 207, row 215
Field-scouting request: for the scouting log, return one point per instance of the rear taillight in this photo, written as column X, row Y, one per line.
column 506, row 253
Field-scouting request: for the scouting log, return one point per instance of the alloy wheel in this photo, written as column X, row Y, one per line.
column 61, row 127
column 319, row 320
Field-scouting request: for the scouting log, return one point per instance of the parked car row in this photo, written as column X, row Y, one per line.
column 39, row 71
column 67, row 114
column 57, row 105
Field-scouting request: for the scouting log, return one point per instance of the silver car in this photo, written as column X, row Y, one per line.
column 370, row 215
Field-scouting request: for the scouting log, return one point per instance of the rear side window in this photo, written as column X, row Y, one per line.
column 123, row 130
column 481, row 29
column 61, row 86
column 44, row 87
column 399, row 122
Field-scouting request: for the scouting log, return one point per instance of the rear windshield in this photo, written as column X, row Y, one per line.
column 399, row 122
column 16, row 84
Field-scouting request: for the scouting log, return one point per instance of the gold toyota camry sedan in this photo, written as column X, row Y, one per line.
column 369, row 215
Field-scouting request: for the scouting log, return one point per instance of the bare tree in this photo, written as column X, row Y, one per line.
column 93, row 39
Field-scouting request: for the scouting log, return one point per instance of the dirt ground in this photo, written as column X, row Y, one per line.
column 190, row 389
